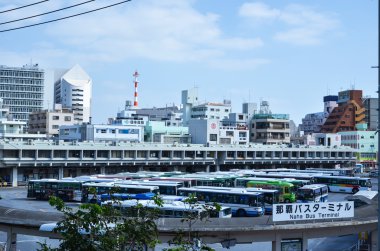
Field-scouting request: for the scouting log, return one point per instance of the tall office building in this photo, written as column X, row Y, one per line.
column 73, row 90
column 22, row 90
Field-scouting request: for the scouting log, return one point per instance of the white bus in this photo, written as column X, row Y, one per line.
column 312, row 193
column 173, row 209
column 242, row 203
column 110, row 188
column 271, row 196
column 344, row 184
column 164, row 187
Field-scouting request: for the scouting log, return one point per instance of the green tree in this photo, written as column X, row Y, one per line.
column 190, row 240
column 93, row 227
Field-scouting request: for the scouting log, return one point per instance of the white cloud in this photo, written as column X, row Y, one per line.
column 258, row 10
column 305, row 26
column 238, row 64
column 157, row 30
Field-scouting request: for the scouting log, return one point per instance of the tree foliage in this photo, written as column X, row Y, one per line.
column 93, row 227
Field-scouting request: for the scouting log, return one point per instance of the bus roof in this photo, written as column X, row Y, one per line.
column 342, row 177
column 219, row 190
column 313, row 186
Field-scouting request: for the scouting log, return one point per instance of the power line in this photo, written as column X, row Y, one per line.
column 62, row 18
column 42, row 14
column 23, row 6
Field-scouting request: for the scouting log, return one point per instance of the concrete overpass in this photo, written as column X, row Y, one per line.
column 226, row 231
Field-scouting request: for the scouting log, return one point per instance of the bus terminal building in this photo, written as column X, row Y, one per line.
column 36, row 159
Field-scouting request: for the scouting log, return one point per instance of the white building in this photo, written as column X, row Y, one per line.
column 210, row 110
column 325, row 139
column 74, row 91
column 213, row 132
column 189, row 99
column 49, row 121
column 107, row 133
column 22, row 90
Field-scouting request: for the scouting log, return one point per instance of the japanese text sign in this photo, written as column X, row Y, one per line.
column 313, row 211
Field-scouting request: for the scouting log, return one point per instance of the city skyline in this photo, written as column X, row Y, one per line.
column 290, row 53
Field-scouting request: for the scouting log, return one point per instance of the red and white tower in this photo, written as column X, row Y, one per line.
column 135, row 103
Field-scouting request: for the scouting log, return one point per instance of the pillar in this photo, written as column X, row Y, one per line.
column 207, row 168
column 79, row 171
column 373, row 240
column 304, row 243
column 102, row 170
column 60, row 173
column 14, row 176
column 11, row 240
column 217, row 167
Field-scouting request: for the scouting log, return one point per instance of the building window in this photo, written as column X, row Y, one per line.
column 67, row 118
column 230, row 133
column 55, row 117
column 55, row 126
column 213, row 137
column 103, row 131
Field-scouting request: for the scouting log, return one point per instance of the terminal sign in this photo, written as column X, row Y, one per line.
column 313, row 211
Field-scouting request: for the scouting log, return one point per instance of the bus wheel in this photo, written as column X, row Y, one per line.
column 355, row 190
column 241, row 213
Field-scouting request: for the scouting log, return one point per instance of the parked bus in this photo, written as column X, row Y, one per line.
column 347, row 171
column 208, row 179
column 165, row 187
column 242, row 204
column 67, row 190
column 174, row 209
column 186, row 182
column 110, row 188
column 344, row 184
column 312, row 193
column 288, row 175
column 286, row 189
column 271, row 196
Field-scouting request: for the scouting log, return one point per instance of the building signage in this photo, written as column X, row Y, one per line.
column 313, row 211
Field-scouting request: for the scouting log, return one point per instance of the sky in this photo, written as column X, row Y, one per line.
column 289, row 53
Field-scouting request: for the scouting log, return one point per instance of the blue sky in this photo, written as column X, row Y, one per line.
column 290, row 53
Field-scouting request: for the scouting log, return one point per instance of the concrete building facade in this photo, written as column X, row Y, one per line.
column 49, row 121
column 159, row 132
column 365, row 144
column 73, row 90
column 349, row 112
column 106, row 133
column 22, row 90
column 214, row 132
column 371, row 115
column 270, row 129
